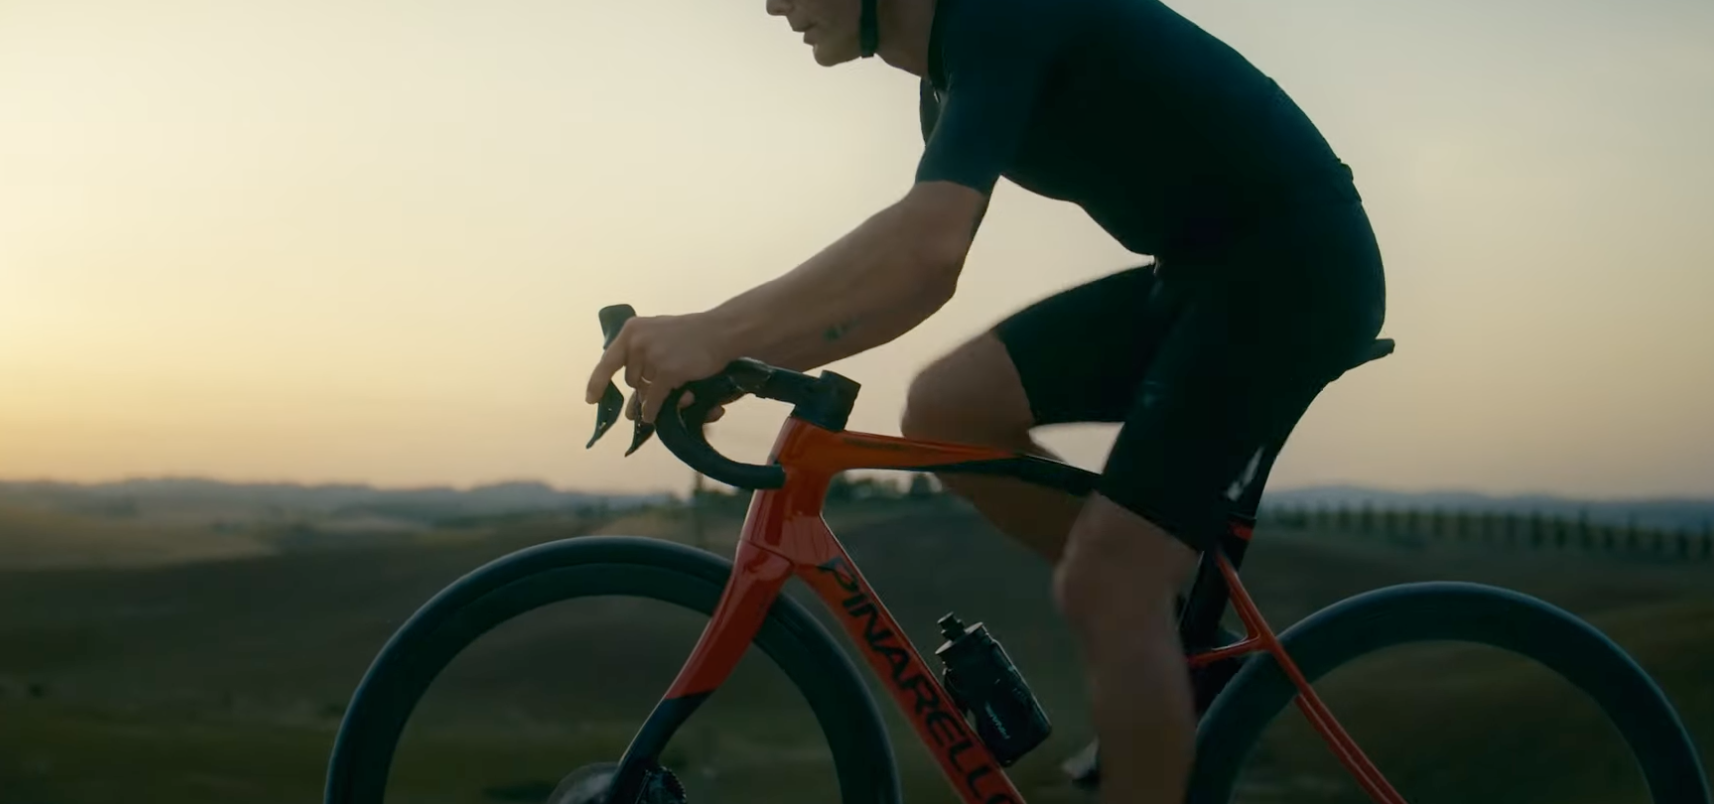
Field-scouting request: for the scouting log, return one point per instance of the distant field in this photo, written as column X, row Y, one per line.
column 33, row 538
column 223, row 680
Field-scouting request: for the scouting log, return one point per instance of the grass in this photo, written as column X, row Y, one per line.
column 223, row 679
column 35, row 538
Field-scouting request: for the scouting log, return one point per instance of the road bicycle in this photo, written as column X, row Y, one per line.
column 976, row 716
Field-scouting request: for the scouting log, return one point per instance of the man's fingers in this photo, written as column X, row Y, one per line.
column 714, row 413
column 688, row 398
column 653, row 397
column 634, row 405
column 605, row 368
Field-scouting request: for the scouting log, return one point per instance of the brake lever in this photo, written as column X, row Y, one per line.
column 613, row 318
column 640, row 433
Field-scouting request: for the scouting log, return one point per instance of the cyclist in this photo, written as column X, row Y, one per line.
column 1180, row 149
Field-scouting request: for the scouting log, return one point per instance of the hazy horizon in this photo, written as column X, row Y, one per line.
column 1274, row 489
column 333, row 242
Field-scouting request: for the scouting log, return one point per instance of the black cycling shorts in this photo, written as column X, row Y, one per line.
column 1204, row 358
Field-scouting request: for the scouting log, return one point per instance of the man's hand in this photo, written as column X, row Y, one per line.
column 660, row 353
column 633, row 407
column 867, row 288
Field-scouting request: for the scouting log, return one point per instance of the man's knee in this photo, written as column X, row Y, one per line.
column 931, row 403
column 972, row 394
column 1119, row 573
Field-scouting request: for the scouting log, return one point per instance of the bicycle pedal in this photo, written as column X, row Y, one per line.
column 1084, row 767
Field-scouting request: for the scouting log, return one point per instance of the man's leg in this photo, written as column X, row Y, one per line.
column 974, row 396
column 1116, row 573
column 1075, row 356
column 1241, row 364
column 1116, row 585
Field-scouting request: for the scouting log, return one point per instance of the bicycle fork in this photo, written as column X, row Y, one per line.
column 758, row 576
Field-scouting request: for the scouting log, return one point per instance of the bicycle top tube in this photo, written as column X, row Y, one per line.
column 814, row 437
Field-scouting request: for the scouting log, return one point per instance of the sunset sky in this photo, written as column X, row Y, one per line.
column 365, row 241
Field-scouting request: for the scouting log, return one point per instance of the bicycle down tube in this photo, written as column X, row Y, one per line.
column 784, row 535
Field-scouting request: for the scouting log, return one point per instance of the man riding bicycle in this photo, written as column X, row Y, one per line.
column 1180, row 149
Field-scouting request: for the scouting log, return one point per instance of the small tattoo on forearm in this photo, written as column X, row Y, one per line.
column 838, row 331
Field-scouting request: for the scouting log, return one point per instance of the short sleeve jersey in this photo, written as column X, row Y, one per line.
column 1165, row 135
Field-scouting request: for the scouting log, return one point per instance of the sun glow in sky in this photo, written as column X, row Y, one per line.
column 365, row 241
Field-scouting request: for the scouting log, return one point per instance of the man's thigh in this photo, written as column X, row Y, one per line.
column 971, row 394
column 1233, row 377
column 1201, row 371
column 1080, row 353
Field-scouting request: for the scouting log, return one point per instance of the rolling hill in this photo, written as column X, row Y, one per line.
column 224, row 679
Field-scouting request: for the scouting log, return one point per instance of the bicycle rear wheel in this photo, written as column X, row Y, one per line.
column 592, row 566
column 1645, row 720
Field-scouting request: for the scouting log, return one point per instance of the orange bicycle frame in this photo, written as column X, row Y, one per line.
column 784, row 535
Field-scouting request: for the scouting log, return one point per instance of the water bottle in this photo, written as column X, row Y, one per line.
column 988, row 688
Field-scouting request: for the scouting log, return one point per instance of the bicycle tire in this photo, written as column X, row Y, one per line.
column 602, row 565
column 1461, row 612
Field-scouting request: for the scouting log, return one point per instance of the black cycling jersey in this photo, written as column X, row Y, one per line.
column 1165, row 135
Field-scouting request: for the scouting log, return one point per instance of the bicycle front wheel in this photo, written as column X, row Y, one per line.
column 590, row 566
column 1648, row 726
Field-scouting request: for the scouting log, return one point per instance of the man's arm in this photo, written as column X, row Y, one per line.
column 878, row 282
column 899, row 266
column 902, row 265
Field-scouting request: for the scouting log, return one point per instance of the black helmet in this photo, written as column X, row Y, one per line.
column 868, row 29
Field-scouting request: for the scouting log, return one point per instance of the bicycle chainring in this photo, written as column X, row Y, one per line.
column 588, row 785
